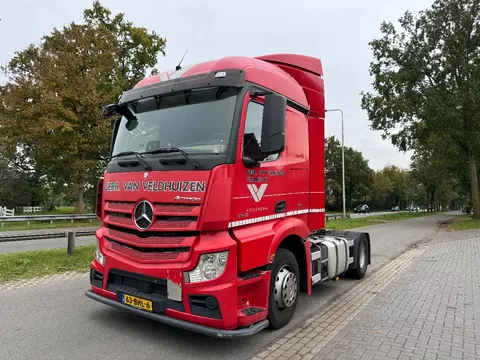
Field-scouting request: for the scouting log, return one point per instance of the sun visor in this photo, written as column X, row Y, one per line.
column 217, row 78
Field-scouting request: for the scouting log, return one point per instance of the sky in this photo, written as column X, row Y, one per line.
column 337, row 32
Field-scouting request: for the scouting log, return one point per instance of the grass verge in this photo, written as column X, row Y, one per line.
column 349, row 223
column 465, row 222
column 61, row 210
column 29, row 264
column 36, row 225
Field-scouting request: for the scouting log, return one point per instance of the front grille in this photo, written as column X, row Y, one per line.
column 172, row 222
column 148, row 253
column 117, row 205
column 174, row 208
column 173, row 227
column 120, row 218
column 146, row 238
column 144, row 256
column 161, row 221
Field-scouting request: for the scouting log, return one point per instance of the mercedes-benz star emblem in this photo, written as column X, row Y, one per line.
column 143, row 215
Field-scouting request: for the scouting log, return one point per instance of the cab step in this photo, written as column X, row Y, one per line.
column 251, row 274
column 251, row 315
column 252, row 311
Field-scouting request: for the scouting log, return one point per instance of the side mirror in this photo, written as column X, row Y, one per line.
column 124, row 110
column 109, row 110
column 273, row 124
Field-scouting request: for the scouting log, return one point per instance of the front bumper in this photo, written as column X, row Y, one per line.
column 226, row 305
column 200, row 329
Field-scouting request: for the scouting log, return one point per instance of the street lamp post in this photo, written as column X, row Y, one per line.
column 343, row 164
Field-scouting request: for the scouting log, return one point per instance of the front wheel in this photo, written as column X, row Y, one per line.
column 284, row 289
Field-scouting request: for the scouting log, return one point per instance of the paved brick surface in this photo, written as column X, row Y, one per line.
column 423, row 305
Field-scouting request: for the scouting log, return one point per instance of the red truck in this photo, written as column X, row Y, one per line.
column 213, row 200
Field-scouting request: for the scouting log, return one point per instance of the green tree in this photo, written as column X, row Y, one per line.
column 381, row 187
column 429, row 170
column 399, row 179
column 427, row 81
column 137, row 48
column 51, row 104
column 357, row 174
column 16, row 189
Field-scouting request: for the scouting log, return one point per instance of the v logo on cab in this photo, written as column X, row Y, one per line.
column 257, row 193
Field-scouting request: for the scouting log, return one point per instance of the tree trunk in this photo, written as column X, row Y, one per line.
column 80, row 207
column 474, row 185
column 428, row 200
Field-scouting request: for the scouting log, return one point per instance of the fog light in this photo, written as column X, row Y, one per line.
column 211, row 303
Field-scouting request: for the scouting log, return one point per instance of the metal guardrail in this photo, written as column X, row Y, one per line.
column 51, row 218
column 333, row 216
column 52, row 235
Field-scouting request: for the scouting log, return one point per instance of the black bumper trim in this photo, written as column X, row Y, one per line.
column 201, row 329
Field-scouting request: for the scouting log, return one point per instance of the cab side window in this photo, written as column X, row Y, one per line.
column 253, row 132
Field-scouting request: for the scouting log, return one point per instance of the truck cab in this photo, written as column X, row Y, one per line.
column 212, row 203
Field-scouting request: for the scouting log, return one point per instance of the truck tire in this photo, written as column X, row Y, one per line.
column 284, row 289
column 362, row 256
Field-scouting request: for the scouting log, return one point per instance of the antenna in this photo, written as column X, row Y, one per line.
column 178, row 66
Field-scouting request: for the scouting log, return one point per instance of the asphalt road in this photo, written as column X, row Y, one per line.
column 56, row 320
column 55, row 243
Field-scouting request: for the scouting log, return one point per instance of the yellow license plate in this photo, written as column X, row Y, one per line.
column 137, row 302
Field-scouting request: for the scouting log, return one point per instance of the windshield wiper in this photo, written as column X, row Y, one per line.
column 140, row 158
column 195, row 164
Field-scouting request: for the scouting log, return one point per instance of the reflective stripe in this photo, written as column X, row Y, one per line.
column 273, row 217
column 293, row 193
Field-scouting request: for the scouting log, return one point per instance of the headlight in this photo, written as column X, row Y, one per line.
column 209, row 267
column 99, row 256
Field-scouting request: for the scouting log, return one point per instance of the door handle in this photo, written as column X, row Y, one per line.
column 280, row 206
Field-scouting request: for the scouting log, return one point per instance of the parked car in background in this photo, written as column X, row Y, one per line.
column 362, row 209
column 395, row 208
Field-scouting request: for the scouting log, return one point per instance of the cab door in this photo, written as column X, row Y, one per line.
column 260, row 193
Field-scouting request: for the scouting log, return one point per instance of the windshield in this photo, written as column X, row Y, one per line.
column 196, row 121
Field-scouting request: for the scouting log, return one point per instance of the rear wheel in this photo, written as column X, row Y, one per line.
column 362, row 256
column 284, row 289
